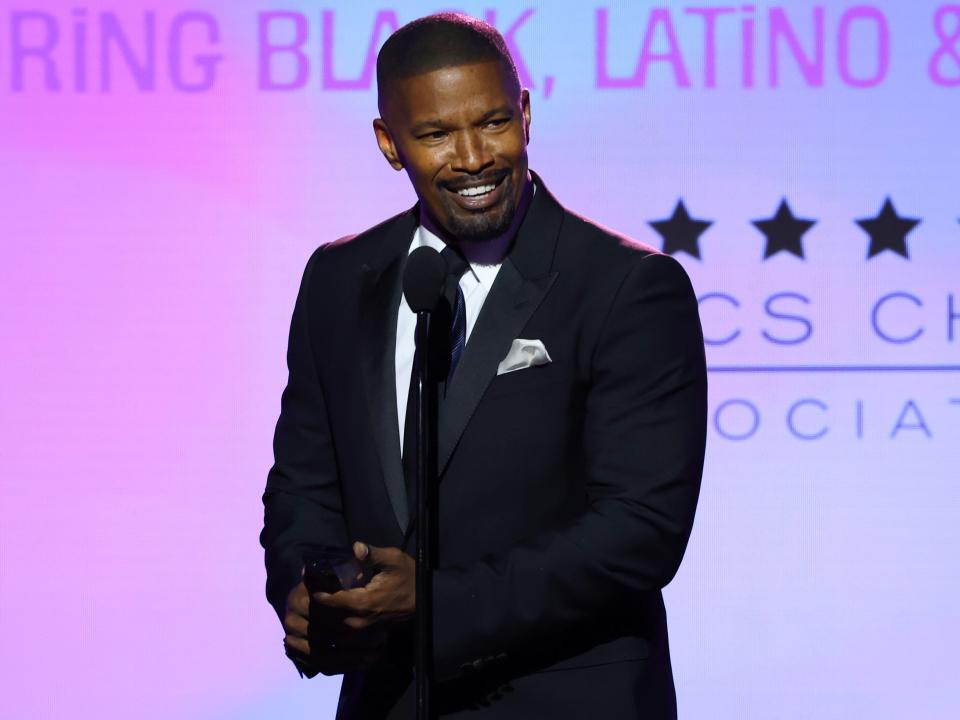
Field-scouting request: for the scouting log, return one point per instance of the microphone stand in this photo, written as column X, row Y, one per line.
column 425, row 408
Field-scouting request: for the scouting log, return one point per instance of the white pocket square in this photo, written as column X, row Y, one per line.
column 523, row 354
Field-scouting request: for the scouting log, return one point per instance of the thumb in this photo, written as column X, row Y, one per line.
column 371, row 554
column 362, row 551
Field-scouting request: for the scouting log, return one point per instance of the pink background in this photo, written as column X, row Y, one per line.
column 152, row 242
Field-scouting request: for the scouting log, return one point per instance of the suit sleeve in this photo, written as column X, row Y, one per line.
column 301, row 504
column 644, row 439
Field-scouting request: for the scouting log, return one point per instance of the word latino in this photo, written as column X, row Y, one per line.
column 773, row 46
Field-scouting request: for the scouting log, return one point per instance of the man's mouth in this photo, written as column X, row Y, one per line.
column 475, row 191
column 479, row 195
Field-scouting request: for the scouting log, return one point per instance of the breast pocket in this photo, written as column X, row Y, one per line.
column 543, row 378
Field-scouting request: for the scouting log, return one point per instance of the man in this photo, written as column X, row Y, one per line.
column 568, row 482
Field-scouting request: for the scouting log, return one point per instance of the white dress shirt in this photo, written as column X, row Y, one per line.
column 475, row 284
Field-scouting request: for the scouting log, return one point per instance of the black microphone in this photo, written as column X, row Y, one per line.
column 423, row 279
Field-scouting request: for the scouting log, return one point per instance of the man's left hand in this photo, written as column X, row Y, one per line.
column 390, row 596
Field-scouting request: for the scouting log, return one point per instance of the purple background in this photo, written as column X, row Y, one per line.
column 152, row 243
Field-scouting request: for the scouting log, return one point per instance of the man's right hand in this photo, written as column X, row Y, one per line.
column 318, row 641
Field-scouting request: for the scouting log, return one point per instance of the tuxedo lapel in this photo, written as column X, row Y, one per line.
column 380, row 293
column 508, row 307
column 524, row 279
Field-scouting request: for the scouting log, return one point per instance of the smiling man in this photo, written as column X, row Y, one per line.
column 461, row 133
column 571, row 431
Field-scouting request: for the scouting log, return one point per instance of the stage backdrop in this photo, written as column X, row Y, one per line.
column 167, row 168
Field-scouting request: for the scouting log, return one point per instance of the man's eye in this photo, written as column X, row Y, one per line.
column 435, row 135
column 497, row 123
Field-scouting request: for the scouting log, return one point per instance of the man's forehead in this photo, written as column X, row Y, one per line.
column 456, row 89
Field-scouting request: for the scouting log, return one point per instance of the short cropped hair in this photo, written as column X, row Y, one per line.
column 437, row 41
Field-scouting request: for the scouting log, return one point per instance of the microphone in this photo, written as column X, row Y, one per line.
column 423, row 279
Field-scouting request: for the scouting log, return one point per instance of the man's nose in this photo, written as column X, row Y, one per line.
column 471, row 154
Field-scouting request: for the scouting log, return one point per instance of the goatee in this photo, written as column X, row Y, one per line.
column 485, row 225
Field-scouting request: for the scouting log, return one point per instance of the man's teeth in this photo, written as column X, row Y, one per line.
column 474, row 191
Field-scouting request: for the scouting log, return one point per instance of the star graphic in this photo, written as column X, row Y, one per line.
column 680, row 232
column 888, row 231
column 784, row 231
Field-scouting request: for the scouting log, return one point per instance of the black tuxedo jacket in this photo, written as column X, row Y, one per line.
column 567, row 491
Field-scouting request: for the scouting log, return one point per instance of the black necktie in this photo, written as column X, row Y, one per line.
column 456, row 266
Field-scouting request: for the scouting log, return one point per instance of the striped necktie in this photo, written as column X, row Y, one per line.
column 456, row 267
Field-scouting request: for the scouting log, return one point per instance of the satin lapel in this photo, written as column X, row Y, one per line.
column 380, row 294
column 522, row 282
column 508, row 307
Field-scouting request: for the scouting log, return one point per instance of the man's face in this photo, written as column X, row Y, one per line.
column 461, row 134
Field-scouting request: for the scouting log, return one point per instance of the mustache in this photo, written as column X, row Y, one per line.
column 489, row 178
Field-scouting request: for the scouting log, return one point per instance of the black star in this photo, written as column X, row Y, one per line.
column 681, row 232
column 888, row 231
column 784, row 231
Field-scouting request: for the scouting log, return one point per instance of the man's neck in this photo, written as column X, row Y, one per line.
column 492, row 251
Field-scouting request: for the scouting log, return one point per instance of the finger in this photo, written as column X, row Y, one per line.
column 361, row 550
column 299, row 600
column 356, row 600
column 380, row 556
column 361, row 623
column 300, row 660
column 296, row 625
column 296, row 645
column 303, row 662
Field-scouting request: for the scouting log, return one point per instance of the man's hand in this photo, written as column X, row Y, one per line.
column 318, row 640
column 390, row 596
column 344, row 631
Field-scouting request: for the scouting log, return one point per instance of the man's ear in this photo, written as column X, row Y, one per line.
column 525, row 108
column 385, row 141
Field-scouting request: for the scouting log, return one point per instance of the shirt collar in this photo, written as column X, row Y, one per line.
column 426, row 238
column 483, row 274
